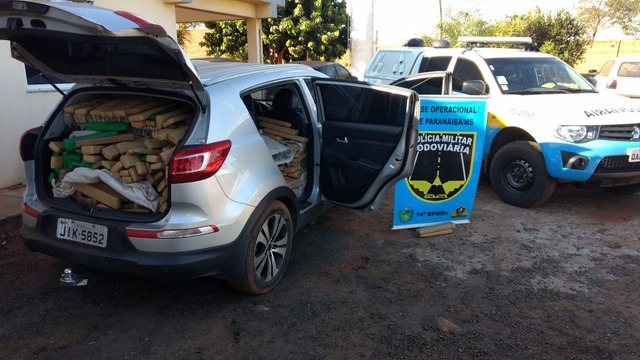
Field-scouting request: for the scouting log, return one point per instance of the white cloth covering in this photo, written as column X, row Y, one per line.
column 141, row 192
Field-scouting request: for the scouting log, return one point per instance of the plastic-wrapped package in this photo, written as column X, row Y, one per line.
column 281, row 154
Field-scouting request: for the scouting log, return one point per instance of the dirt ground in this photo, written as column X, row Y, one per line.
column 556, row 282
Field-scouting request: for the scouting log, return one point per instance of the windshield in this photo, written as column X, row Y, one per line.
column 536, row 75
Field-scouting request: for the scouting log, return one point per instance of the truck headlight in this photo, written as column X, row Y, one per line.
column 576, row 133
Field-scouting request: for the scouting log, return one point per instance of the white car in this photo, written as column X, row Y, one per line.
column 620, row 75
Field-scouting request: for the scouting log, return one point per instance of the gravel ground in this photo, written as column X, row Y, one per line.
column 555, row 282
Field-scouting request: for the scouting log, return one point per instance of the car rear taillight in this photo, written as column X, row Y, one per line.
column 199, row 162
column 145, row 25
column 30, row 211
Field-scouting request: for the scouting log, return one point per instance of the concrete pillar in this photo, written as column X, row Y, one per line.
column 362, row 35
column 254, row 40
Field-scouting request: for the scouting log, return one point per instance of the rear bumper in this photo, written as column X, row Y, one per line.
column 222, row 261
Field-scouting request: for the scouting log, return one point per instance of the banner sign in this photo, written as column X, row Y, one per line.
column 445, row 177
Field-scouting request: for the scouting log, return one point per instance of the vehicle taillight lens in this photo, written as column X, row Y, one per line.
column 30, row 211
column 198, row 163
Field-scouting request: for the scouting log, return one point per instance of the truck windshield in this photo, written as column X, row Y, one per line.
column 536, row 76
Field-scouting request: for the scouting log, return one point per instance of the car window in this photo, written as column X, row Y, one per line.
column 342, row 72
column 282, row 102
column 606, row 68
column 34, row 77
column 629, row 69
column 465, row 70
column 429, row 86
column 435, row 63
column 330, row 71
column 362, row 105
column 535, row 74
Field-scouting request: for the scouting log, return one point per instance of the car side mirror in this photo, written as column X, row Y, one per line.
column 474, row 87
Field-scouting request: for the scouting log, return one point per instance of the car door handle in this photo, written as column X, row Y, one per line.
column 344, row 140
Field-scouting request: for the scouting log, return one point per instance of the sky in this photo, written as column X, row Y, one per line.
column 413, row 18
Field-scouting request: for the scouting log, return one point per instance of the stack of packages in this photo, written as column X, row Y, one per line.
column 295, row 171
column 131, row 136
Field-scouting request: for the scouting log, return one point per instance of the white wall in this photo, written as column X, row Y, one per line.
column 19, row 111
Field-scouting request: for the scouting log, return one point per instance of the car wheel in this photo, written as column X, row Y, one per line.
column 624, row 189
column 268, row 251
column 519, row 175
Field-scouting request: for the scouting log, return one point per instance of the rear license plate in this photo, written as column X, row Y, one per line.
column 634, row 154
column 82, row 232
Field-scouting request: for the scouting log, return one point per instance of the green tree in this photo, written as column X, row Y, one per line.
column 303, row 30
column 559, row 34
column 182, row 33
column 626, row 14
column 593, row 16
column 226, row 39
column 597, row 14
column 464, row 23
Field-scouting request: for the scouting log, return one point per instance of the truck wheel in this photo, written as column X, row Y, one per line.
column 268, row 251
column 519, row 176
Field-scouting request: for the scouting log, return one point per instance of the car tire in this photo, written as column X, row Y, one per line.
column 519, row 175
column 624, row 189
column 268, row 251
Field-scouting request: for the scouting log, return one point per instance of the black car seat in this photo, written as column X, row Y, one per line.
column 287, row 107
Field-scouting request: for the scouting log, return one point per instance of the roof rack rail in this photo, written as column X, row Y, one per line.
column 474, row 41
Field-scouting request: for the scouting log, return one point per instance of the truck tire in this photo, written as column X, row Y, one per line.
column 519, row 175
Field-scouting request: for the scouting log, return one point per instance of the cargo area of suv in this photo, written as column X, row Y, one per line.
column 128, row 137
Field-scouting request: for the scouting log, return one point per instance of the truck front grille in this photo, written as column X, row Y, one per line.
column 617, row 164
column 624, row 132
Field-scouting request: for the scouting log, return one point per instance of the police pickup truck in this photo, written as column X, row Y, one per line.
column 546, row 124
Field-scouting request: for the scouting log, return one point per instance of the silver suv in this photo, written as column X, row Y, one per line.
column 156, row 167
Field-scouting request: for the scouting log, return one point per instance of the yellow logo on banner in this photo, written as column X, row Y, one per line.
column 443, row 165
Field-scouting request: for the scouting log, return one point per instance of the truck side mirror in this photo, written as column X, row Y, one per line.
column 474, row 87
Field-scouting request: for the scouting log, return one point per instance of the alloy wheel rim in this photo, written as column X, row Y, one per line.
column 271, row 248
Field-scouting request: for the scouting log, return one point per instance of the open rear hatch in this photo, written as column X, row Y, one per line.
column 108, row 146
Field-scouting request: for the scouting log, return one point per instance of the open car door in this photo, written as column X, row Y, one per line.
column 369, row 135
